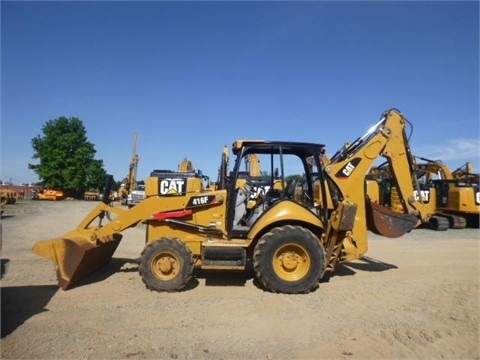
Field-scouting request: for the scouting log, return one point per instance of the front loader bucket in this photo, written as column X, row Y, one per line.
column 76, row 258
column 386, row 222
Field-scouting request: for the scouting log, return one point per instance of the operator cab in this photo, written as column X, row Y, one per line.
column 268, row 172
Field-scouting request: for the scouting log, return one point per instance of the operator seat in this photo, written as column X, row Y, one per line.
column 243, row 194
column 290, row 188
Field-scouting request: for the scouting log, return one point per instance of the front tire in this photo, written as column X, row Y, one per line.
column 166, row 265
column 290, row 260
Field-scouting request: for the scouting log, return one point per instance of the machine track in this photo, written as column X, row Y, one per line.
column 439, row 223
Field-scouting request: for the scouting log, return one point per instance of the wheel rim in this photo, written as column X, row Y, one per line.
column 291, row 262
column 165, row 266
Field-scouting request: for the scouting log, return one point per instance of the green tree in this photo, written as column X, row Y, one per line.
column 67, row 158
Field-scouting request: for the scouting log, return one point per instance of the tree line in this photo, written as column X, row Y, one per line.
column 66, row 159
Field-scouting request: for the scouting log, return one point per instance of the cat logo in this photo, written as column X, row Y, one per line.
column 348, row 169
column 424, row 195
column 174, row 187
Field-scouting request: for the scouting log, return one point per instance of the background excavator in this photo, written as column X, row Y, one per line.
column 449, row 200
column 455, row 195
column 292, row 239
column 130, row 182
column 185, row 166
column 466, row 174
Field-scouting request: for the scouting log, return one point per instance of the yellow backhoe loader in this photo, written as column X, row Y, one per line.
column 292, row 241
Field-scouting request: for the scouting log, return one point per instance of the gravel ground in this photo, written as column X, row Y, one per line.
column 415, row 297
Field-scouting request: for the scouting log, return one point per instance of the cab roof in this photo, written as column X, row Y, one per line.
column 287, row 147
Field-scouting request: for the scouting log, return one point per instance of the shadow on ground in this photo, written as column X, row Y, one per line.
column 114, row 266
column 212, row 278
column 4, row 266
column 364, row 264
column 228, row 278
column 19, row 303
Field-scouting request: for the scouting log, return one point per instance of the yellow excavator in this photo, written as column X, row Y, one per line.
column 449, row 200
column 454, row 194
column 382, row 190
column 466, row 174
column 185, row 166
column 292, row 241
column 130, row 182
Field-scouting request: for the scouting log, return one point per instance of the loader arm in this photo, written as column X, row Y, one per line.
column 110, row 219
column 93, row 243
column 119, row 219
column 103, row 233
column 90, row 246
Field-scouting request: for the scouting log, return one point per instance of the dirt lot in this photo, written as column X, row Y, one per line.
column 416, row 297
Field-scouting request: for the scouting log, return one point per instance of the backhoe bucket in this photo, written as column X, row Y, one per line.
column 76, row 258
column 386, row 222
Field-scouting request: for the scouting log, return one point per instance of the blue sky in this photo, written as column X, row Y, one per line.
column 190, row 77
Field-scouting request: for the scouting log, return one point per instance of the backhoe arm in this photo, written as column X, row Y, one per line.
column 348, row 168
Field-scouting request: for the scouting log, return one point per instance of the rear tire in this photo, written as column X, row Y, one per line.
column 290, row 260
column 166, row 265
